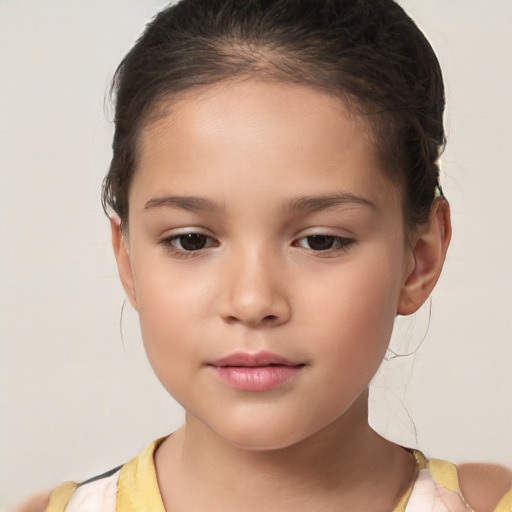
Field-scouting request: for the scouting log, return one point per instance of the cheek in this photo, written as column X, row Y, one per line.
column 353, row 313
column 173, row 312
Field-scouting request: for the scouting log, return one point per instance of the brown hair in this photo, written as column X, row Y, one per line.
column 367, row 52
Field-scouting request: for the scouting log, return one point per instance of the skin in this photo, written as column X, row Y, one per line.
column 258, row 285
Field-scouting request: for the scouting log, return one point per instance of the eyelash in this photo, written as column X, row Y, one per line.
column 338, row 244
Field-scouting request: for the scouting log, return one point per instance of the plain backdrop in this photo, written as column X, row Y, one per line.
column 78, row 397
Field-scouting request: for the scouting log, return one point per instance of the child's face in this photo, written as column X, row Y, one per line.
column 295, row 248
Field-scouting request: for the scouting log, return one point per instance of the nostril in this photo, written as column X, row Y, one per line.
column 255, row 321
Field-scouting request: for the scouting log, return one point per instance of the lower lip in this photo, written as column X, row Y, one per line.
column 256, row 378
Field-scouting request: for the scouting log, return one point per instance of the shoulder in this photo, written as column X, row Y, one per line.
column 484, row 485
column 35, row 503
column 98, row 493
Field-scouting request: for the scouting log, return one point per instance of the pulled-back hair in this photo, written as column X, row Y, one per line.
column 368, row 53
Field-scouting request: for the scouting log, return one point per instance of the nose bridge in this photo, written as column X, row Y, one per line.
column 254, row 287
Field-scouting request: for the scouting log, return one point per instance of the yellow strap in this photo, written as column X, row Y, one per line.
column 444, row 473
column 505, row 504
column 137, row 488
column 402, row 504
column 60, row 496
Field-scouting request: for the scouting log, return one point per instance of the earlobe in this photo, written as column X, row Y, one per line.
column 123, row 260
column 429, row 248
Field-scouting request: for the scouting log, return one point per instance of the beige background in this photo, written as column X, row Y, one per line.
column 76, row 398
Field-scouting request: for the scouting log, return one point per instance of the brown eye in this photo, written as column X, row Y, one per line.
column 190, row 242
column 321, row 243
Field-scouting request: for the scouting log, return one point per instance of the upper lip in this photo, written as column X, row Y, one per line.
column 253, row 360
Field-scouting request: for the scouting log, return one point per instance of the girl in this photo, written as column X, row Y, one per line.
column 275, row 203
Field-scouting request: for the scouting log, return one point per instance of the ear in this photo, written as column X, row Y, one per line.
column 123, row 260
column 429, row 246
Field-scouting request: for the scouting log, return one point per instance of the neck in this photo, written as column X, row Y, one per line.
column 345, row 461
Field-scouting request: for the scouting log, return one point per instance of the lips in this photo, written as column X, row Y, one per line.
column 257, row 372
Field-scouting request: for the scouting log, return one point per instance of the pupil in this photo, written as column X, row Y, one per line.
column 193, row 242
column 320, row 242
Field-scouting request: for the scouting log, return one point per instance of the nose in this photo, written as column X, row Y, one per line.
column 254, row 291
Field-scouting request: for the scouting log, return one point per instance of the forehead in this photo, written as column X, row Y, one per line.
column 253, row 103
column 257, row 135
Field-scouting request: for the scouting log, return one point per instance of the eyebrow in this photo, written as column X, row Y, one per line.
column 189, row 203
column 318, row 203
column 304, row 203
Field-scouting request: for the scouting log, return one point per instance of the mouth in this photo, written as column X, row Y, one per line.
column 257, row 372
column 256, row 360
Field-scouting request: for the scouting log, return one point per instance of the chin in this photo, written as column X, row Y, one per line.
column 262, row 441
column 266, row 434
